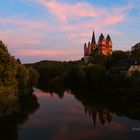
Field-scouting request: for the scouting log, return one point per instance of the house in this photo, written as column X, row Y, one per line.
column 127, row 66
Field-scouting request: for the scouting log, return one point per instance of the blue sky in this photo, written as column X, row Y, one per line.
column 35, row 30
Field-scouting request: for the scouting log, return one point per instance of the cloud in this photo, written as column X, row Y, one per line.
column 19, row 37
column 23, row 23
column 19, row 32
column 64, row 11
column 114, row 19
column 60, row 25
column 46, row 52
column 79, row 19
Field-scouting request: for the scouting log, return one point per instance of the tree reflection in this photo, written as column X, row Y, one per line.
column 9, row 124
column 102, row 104
column 53, row 89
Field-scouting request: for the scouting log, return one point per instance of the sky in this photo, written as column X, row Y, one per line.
column 36, row 30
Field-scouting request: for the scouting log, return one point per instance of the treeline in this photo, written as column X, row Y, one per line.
column 53, row 74
column 15, row 81
column 96, row 74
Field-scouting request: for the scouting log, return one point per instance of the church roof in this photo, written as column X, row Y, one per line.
column 93, row 39
column 108, row 37
column 85, row 45
column 101, row 37
column 125, row 64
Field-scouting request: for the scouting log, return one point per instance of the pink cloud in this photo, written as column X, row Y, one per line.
column 64, row 11
column 20, row 37
column 46, row 52
column 114, row 19
column 24, row 23
column 67, row 27
column 67, row 20
column 20, row 32
column 101, row 19
column 79, row 35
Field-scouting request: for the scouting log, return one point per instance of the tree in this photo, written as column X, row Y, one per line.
column 135, row 75
column 135, row 52
column 97, row 58
column 94, row 74
column 33, row 77
column 119, row 55
column 7, row 67
column 13, row 74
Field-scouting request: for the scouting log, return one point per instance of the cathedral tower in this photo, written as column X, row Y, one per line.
column 85, row 50
column 104, row 46
column 108, row 45
column 93, row 42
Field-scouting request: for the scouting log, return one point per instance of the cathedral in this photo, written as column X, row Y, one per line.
column 104, row 45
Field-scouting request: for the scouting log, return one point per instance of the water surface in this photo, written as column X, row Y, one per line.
column 68, row 118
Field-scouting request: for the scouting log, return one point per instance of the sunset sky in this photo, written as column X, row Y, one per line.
column 35, row 30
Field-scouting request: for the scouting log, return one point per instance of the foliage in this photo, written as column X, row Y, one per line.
column 13, row 73
column 116, row 57
column 33, row 77
column 135, row 77
column 15, row 81
column 97, row 73
column 8, row 102
column 22, row 76
column 135, row 52
column 7, row 67
column 119, row 55
column 97, row 58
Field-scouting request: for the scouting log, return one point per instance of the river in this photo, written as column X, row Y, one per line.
column 67, row 118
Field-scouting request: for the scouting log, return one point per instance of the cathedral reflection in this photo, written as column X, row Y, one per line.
column 103, row 113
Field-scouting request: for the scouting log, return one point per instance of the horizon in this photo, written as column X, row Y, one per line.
column 56, row 30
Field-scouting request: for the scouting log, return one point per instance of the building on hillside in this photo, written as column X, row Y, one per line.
column 104, row 45
column 128, row 66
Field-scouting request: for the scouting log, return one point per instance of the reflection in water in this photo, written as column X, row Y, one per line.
column 104, row 114
column 91, row 112
column 69, row 115
column 9, row 124
column 70, row 118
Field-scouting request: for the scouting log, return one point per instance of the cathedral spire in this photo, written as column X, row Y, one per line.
column 93, row 38
column 85, row 45
column 103, row 46
column 101, row 37
column 108, row 38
